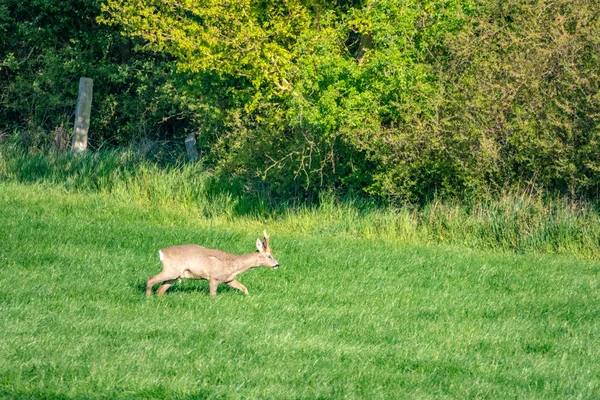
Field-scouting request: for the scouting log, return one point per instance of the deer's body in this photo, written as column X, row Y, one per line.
column 191, row 261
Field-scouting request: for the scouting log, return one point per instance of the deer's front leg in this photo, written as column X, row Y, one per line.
column 212, row 284
column 235, row 284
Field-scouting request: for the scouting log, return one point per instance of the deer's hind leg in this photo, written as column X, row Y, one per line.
column 163, row 288
column 164, row 276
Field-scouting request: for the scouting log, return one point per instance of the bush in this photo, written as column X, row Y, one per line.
column 403, row 101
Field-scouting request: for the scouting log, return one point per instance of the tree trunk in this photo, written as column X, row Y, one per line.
column 190, row 148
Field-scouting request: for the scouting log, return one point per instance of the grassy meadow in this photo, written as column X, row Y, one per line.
column 367, row 304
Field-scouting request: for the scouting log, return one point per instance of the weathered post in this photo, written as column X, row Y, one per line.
column 190, row 148
column 82, row 115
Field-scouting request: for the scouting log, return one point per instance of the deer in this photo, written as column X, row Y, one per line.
column 190, row 261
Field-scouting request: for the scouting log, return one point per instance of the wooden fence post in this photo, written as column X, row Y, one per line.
column 191, row 149
column 82, row 115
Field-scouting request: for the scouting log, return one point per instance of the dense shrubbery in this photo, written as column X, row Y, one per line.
column 46, row 46
column 399, row 99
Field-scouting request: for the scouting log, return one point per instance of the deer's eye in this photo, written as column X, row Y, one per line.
column 269, row 256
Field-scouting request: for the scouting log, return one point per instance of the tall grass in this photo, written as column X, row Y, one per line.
column 516, row 221
column 126, row 176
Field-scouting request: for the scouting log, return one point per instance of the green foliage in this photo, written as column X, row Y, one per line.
column 46, row 47
column 402, row 100
column 238, row 38
column 530, row 90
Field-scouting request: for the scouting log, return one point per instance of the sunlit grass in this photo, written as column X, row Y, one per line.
column 344, row 316
column 513, row 221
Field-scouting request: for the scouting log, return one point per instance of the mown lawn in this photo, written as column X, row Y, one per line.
column 342, row 317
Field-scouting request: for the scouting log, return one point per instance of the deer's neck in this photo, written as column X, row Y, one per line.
column 245, row 262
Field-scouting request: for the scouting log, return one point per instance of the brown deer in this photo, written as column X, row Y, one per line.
column 191, row 261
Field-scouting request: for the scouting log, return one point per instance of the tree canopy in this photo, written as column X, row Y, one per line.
column 397, row 99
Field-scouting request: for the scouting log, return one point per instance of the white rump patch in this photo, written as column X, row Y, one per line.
column 161, row 255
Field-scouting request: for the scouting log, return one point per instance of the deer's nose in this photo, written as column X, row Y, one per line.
column 276, row 266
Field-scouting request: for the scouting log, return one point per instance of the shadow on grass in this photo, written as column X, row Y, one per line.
column 188, row 286
column 158, row 392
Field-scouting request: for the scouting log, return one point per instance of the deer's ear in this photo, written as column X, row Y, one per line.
column 259, row 246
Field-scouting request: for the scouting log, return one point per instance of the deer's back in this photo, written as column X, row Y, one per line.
column 193, row 261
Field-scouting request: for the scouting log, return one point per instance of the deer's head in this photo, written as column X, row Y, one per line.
column 265, row 251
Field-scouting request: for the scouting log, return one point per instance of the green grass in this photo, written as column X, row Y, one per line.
column 515, row 221
column 346, row 316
